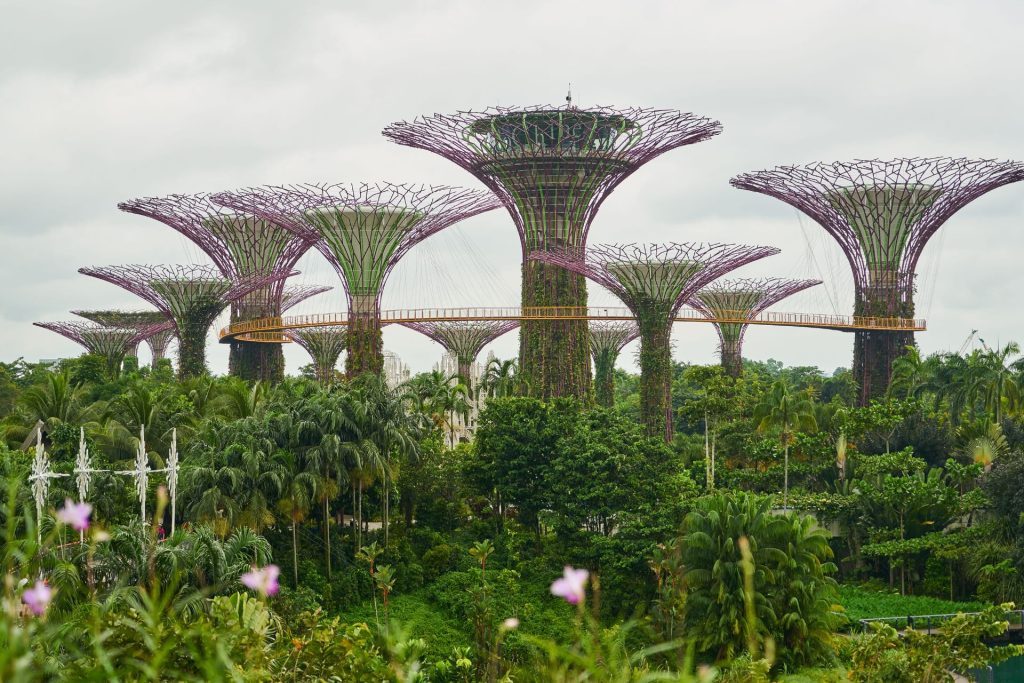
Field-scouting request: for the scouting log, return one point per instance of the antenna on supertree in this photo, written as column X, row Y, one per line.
column 464, row 340
column 241, row 246
column 111, row 343
column 363, row 230
column 552, row 168
column 607, row 338
column 191, row 295
column 740, row 300
column 158, row 327
column 882, row 214
column 324, row 345
column 654, row 281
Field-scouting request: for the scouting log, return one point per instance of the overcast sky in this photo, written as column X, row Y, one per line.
column 105, row 101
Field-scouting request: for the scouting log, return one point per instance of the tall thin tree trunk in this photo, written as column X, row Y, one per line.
column 295, row 554
column 327, row 536
column 387, row 509
column 785, row 476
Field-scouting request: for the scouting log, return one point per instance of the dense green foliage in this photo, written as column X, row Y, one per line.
column 402, row 558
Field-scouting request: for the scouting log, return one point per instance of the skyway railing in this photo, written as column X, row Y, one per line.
column 262, row 329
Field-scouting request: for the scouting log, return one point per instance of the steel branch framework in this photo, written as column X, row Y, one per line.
column 744, row 299
column 552, row 168
column 654, row 281
column 241, row 246
column 363, row 230
column 464, row 340
column 882, row 214
column 159, row 329
column 324, row 345
column 191, row 295
column 607, row 338
column 112, row 343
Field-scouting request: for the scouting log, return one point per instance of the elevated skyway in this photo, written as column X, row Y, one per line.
column 271, row 329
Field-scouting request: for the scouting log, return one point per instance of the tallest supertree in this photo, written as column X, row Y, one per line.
column 882, row 214
column 552, row 168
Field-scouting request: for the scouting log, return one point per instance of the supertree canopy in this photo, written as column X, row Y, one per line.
column 241, row 246
column 191, row 295
column 464, row 340
column 654, row 281
column 293, row 295
column 156, row 324
column 741, row 300
column 111, row 343
column 363, row 230
column 324, row 345
column 607, row 337
column 882, row 214
column 552, row 168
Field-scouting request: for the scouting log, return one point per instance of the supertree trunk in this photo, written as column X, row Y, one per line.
column 731, row 358
column 554, row 355
column 604, row 377
column 192, row 351
column 874, row 351
column 365, row 343
column 655, row 373
column 263, row 361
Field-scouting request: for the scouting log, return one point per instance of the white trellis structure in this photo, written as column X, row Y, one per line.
column 141, row 473
column 40, row 477
column 172, row 475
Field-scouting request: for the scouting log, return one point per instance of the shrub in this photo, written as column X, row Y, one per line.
column 793, row 592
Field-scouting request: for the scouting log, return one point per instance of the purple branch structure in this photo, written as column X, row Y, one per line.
column 882, row 214
column 293, row 295
column 241, row 246
column 324, row 345
column 607, row 338
column 464, row 340
column 654, row 281
column 363, row 230
column 111, row 343
column 159, row 328
column 740, row 300
column 552, row 168
column 190, row 295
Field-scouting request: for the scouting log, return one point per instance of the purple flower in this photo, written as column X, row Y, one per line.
column 38, row 598
column 264, row 580
column 75, row 515
column 572, row 586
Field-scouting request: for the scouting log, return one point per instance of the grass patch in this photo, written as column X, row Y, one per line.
column 861, row 603
column 419, row 618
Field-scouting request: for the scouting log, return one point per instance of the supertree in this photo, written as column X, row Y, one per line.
column 654, row 281
column 607, row 337
column 732, row 302
column 111, row 343
column 324, row 345
column 363, row 230
column 464, row 340
column 293, row 295
column 241, row 246
column 190, row 295
column 160, row 329
column 552, row 167
column 882, row 214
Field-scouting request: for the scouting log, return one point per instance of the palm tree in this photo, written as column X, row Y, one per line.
column 296, row 500
column 788, row 412
column 499, row 378
column 389, row 427
column 58, row 401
